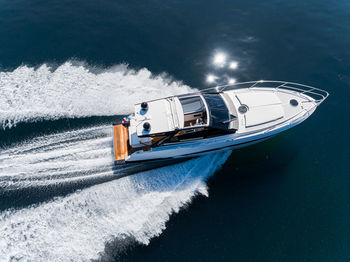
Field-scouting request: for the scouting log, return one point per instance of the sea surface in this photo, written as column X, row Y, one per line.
column 70, row 68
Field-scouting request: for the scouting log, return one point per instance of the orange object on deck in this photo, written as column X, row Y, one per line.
column 121, row 139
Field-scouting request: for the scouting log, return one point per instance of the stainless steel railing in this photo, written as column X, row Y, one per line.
column 318, row 95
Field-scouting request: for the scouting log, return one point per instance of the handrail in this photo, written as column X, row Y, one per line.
column 318, row 95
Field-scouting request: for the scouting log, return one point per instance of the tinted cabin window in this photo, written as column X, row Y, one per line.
column 219, row 114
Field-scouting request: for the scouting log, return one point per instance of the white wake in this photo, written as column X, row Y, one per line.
column 29, row 94
column 58, row 159
column 77, row 227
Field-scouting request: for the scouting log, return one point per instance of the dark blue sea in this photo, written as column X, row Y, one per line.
column 70, row 68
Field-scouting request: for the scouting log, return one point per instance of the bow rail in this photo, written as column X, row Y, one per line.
column 317, row 94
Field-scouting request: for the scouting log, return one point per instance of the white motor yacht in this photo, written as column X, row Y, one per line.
column 211, row 120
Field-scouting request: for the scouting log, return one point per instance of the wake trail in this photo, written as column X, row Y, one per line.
column 73, row 90
column 52, row 159
column 77, row 227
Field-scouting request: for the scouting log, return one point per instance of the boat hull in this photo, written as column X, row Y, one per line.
column 260, row 110
column 201, row 147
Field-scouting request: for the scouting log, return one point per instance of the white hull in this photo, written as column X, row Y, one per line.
column 210, row 145
column 269, row 107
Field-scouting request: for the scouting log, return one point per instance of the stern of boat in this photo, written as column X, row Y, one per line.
column 120, row 143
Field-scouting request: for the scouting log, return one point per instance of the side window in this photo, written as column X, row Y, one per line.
column 197, row 133
column 189, row 134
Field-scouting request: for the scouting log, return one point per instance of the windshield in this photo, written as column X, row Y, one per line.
column 192, row 104
column 219, row 114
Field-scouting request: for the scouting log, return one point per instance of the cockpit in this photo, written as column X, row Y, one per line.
column 194, row 110
column 181, row 118
column 208, row 109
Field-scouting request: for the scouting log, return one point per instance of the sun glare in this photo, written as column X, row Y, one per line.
column 231, row 81
column 219, row 59
column 233, row 65
column 211, row 78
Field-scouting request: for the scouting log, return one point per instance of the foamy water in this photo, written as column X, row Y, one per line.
column 29, row 94
column 59, row 158
column 76, row 227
